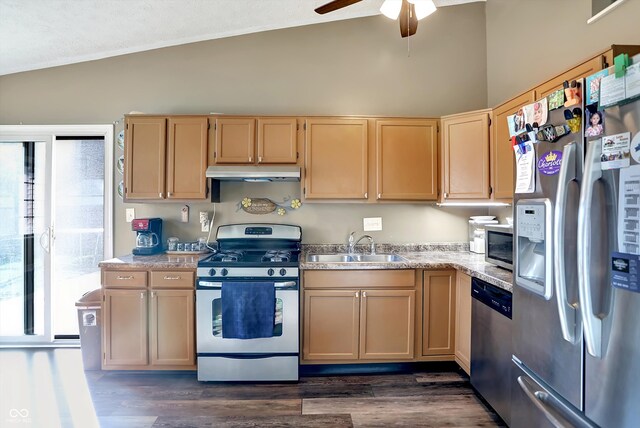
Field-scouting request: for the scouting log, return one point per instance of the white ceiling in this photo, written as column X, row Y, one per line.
column 37, row 34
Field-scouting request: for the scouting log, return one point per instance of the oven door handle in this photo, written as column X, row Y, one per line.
column 285, row 285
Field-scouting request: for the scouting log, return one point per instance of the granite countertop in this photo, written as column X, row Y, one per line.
column 157, row 261
column 427, row 256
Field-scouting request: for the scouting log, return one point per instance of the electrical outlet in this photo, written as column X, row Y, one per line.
column 185, row 214
column 204, row 221
column 130, row 214
column 372, row 224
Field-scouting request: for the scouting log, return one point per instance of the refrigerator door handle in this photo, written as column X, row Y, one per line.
column 550, row 406
column 566, row 310
column 592, row 325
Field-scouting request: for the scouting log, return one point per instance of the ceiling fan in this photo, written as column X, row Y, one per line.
column 409, row 11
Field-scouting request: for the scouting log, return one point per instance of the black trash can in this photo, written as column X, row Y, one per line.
column 90, row 325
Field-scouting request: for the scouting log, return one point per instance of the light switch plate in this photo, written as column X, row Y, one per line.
column 204, row 221
column 372, row 224
column 185, row 214
column 130, row 214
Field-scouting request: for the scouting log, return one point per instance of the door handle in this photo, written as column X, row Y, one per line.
column 45, row 239
column 540, row 398
column 566, row 311
column 592, row 325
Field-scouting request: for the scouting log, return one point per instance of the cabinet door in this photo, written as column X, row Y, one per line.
column 330, row 324
column 144, row 162
column 585, row 69
column 502, row 155
column 465, row 161
column 277, row 140
column 235, row 140
column 407, row 159
column 171, row 327
column 438, row 313
column 187, row 158
column 463, row 321
column 336, row 159
column 386, row 324
column 125, row 331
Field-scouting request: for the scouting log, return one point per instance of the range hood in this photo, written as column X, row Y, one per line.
column 254, row 173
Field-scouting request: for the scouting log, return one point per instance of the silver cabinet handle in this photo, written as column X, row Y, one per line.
column 172, row 278
column 153, row 294
column 364, row 294
column 446, row 195
column 379, row 195
column 592, row 325
column 250, row 159
column 160, row 194
column 567, row 312
column 366, row 195
column 169, row 194
column 124, row 278
column 357, row 294
column 259, row 158
column 142, row 295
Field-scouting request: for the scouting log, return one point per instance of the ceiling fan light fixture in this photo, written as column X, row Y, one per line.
column 391, row 8
column 423, row 8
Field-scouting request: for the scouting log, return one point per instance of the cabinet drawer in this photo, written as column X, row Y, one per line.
column 172, row 279
column 359, row 278
column 124, row 279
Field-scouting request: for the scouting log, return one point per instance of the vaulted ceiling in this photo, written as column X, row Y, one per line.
column 37, row 34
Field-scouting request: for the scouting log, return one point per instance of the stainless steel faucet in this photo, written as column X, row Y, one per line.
column 353, row 242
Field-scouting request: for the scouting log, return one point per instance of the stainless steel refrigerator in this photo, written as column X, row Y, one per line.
column 576, row 338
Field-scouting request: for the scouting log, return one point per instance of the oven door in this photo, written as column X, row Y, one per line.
column 209, row 323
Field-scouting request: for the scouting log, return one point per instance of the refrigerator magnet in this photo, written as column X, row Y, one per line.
column 556, row 99
column 595, row 122
column 593, row 86
column 635, row 148
column 550, row 162
column 616, row 151
column 624, row 271
column 536, row 112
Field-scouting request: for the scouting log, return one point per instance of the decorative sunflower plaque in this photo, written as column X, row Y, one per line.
column 266, row 206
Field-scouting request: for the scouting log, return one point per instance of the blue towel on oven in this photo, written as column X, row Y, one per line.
column 248, row 309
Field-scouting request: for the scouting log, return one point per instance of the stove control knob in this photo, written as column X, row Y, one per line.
column 212, row 272
column 283, row 272
column 270, row 272
column 224, row 272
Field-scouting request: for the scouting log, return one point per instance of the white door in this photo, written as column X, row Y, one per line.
column 56, row 226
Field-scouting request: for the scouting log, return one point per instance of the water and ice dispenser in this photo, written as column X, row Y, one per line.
column 534, row 262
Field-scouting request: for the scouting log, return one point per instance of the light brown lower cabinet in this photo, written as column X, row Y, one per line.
column 349, row 324
column 463, row 321
column 125, row 328
column 148, row 329
column 438, row 312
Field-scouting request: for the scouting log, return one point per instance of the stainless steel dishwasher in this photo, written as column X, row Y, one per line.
column 491, row 345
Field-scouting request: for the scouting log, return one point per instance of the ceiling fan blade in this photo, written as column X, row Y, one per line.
column 408, row 19
column 335, row 5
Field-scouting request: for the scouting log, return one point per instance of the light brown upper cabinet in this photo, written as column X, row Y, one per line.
column 407, row 159
column 145, row 157
column 233, row 140
column 465, row 155
column 502, row 155
column 336, row 159
column 187, row 158
column 165, row 157
column 585, row 69
column 277, row 140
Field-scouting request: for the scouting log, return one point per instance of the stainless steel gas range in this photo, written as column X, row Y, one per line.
column 247, row 305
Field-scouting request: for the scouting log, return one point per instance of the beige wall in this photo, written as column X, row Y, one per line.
column 531, row 41
column 350, row 67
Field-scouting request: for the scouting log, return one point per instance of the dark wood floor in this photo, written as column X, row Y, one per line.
column 48, row 388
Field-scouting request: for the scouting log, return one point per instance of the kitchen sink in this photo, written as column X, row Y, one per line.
column 354, row 258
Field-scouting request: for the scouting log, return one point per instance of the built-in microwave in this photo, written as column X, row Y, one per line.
column 499, row 245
